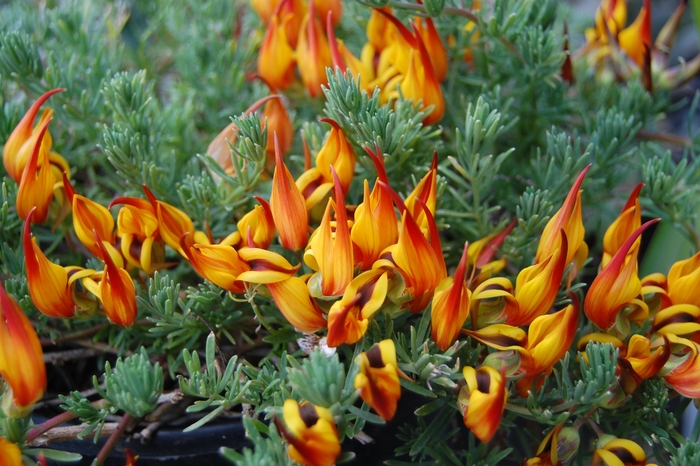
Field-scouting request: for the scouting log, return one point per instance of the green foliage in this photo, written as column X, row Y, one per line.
column 89, row 413
column 268, row 446
column 134, row 385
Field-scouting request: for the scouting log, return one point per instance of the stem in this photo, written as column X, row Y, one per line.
column 112, row 440
column 256, row 310
column 595, row 427
column 664, row 137
column 49, row 424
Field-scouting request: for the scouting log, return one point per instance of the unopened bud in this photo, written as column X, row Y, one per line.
column 614, row 398
column 604, row 440
column 509, row 360
column 568, row 442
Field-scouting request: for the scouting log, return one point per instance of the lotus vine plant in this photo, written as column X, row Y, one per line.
column 463, row 231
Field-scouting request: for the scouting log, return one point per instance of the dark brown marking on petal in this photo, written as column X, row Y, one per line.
column 308, row 414
column 680, row 318
column 625, row 455
column 374, row 356
column 483, row 381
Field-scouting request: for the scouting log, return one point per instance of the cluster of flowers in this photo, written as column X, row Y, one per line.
column 618, row 52
column 365, row 259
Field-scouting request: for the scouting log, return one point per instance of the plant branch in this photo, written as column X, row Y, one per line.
column 112, row 440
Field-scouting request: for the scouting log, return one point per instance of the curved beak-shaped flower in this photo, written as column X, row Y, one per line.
column 421, row 83
column 617, row 285
column 483, row 400
column 348, row 318
column 619, row 452
column 679, row 319
column 684, row 377
column 331, row 251
column 362, row 69
column 218, row 263
column 294, row 302
column 450, row 306
column 549, row 338
column 640, row 363
column 635, row 39
column 336, row 152
column 418, row 259
column 140, row 240
column 434, row 45
column 426, row 191
column 313, row 53
column 36, row 186
column 276, row 57
column 610, row 18
column 537, row 286
column 378, row 378
column 20, row 144
column 277, row 121
column 379, row 28
column 265, row 266
column 10, row 454
column 173, row 223
column 116, row 290
column 257, row 227
column 90, row 217
column 50, row 285
column 375, row 227
column 288, row 206
column 21, row 358
column 624, row 225
column 567, row 218
column 501, row 337
column 219, row 148
column 682, row 281
column 311, row 433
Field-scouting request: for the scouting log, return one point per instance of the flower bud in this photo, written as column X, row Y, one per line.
column 568, row 443
column 508, row 360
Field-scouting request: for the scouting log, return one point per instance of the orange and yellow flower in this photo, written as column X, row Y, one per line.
column 568, row 218
column 483, row 400
column 313, row 53
column 349, row 317
column 140, row 240
column 537, row 286
column 310, row 432
column 257, row 227
column 684, row 377
column 450, row 306
column 624, row 225
column 619, row 452
column 288, row 206
column 294, row 302
column 218, row 263
column 115, row 290
column 50, row 285
column 417, row 258
column 682, row 281
column 276, row 57
column 36, row 185
column 21, row 357
column 548, row 339
column 617, row 285
column 330, row 252
column 93, row 224
column 375, row 227
column 173, row 223
column 378, row 379
column 10, row 454
column 20, row 144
